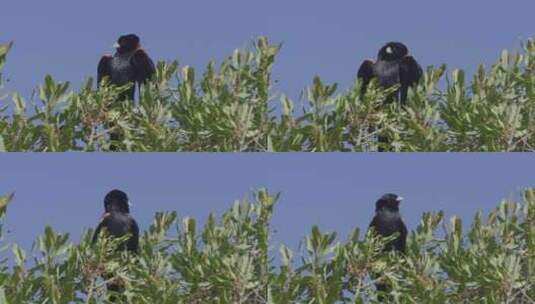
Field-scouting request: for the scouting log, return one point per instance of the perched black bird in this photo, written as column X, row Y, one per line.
column 386, row 222
column 393, row 66
column 130, row 64
column 118, row 222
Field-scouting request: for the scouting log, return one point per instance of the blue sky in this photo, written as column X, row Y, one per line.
column 330, row 38
column 335, row 191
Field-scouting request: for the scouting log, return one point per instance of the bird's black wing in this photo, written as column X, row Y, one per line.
column 410, row 73
column 104, row 68
column 366, row 74
column 101, row 225
column 373, row 225
column 143, row 66
column 133, row 242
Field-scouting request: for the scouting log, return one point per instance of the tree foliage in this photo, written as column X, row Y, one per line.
column 233, row 107
column 231, row 260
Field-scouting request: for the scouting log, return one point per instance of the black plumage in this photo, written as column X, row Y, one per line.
column 129, row 64
column 386, row 222
column 394, row 66
column 118, row 222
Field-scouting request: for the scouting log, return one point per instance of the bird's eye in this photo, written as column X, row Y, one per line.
column 389, row 50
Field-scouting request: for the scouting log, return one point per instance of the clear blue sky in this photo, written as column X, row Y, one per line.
column 330, row 38
column 335, row 191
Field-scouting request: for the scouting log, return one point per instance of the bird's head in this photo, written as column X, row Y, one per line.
column 127, row 43
column 393, row 51
column 116, row 201
column 388, row 201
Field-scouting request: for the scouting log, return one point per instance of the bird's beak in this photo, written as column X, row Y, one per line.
column 116, row 45
column 399, row 199
column 129, row 204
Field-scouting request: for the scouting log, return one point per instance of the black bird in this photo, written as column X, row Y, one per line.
column 394, row 66
column 130, row 64
column 386, row 222
column 118, row 222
